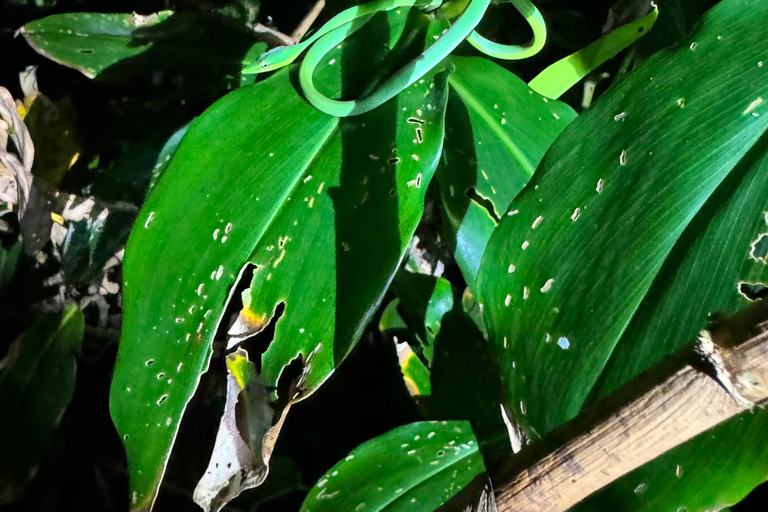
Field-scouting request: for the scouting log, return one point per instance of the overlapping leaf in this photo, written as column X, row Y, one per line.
column 497, row 131
column 415, row 467
column 622, row 244
column 323, row 209
column 717, row 265
column 581, row 245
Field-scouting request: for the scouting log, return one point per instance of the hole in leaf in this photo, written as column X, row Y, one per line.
column 486, row 204
column 85, row 50
column 288, row 386
column 753, row 291
column 235, row 304
column 759, row 249
column 258, row 343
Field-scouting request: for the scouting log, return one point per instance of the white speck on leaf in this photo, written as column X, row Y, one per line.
column 752, row 106
column 547, row 286
column 576, row 214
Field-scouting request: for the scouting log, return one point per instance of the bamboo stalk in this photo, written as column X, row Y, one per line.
column 722, row 374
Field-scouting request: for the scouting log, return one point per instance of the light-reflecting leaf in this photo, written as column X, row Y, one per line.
column 423, row 301
column 414, row 467
column 567, row 72
column 713, row 267
column 323, row 208
column 37, row 381
column 191, row 45
column 591, row 230
column 91, row 42
column 497, row 131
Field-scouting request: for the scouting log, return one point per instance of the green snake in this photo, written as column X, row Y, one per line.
column 349, row 21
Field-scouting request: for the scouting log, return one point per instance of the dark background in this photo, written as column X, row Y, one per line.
column 84, row 469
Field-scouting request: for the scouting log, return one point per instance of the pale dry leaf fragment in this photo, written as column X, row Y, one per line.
column 247, row 435
column 19, row 165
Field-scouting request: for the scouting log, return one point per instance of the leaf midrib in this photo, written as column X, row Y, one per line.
column 486, row 115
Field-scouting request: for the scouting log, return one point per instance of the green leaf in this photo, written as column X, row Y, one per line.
column 718, row 261
column 130, row 177
column 91, row 42
column 494, row 141
column 423, row 300
column 466, row 385
column 590, row 232
column 36, row 385
column 189, row 44
column 414, row 467
column 322, row 208
column 556, row 79
column 717, row 468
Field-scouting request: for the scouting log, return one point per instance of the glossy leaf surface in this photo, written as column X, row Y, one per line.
column 91, row 42
column 203, row 50
column 720, row 262
column 497, row 131
column 309, row 200
column 414, row 467
column 590, row 232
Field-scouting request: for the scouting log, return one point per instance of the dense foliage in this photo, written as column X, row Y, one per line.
column 211, row 290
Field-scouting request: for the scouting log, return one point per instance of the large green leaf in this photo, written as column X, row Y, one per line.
column 720, row 264
column 497, row 130
column 95, row 43
column 36, row 385
column 91, row 42
column 415, row 467
column 590, row 232
column 323, row 208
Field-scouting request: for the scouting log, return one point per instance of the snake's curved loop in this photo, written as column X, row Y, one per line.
column 514, row 52
column 349, row 21
column 283, row 55
column 404, row 77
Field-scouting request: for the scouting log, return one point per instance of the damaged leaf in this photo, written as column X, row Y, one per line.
column 246, row 437
column 711, row 261
column 91, row 42
column 494, row 142
column 16, row 160
column 624, row 244
column 324, row 210
column 608, row 211
column 202, row 50
column 37, row 380
column 415, row 467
